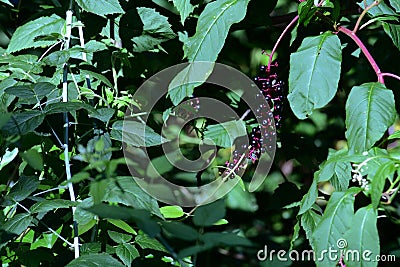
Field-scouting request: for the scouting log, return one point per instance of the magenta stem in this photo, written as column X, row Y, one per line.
column 390, row 75
column 364, row 49
column 294, row 20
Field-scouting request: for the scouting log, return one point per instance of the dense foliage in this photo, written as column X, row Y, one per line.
column 69, row 76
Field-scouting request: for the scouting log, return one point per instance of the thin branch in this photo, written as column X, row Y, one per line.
column 66, row 125
column 294, row 20
column 390, row 75
column 375, row 3
column 364, row 49
column 48, row 50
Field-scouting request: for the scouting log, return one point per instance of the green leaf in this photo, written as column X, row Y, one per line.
column 141, row 217
column 314, row 73
column 122, row 225
column 309, row 199
column 119, row 237
column 335, row 170
column 136, row 134
column 363, row 237
column 184, row 7
column 334, row 223
column 180, row 230
column 370, row 110
column 61, row 107
column 97, row 76
column 395, row 135
column 145, row 241
column 101, row 7
column 124, row 190
column 172, row 212
column 33, row 158
column 24, row 187
column 306, row 11
column 393, row 30
column 48, row 205
column 24, row 122
column 35, row 91
column 103, row 114
column 95, row 260
column 7, row 2
column 156, row 29
column 127, row 253
column 225, row 133
column 378, row 181
column 295, row 235
column 24, row 36
column 18, row 223
column 239, row 199
column 395, row 4
column 8, row 157
column 212, row 29
column 309, row 221
column 208, row 214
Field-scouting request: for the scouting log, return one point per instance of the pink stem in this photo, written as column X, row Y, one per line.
column 390, row 75
column 364, row 49
column 294, row 20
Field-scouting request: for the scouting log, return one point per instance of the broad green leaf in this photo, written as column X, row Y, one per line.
column 95, row 260
column 180, row 230
column 57, row 58
column 103, row 114
column 8, row 157
column 393, row 30
column 18, row 223
column 370, row 110
column 119, row 237
column 334, row 223
column 172, row 212
column 239, row 199
column 362, row 237
column 314, row 73
column 24, row 36
column 309, row 221
column 184, row 7
column 36, row 91
column 224, row 134
column 395, row 4
column 127, row 253
column 335, row 170
column 306, row 11
column 96, row 76
column 101, row 7
column 24, row 187
column 208, row 214
column 33, row 158
column 212, row 29
column 144, row 241
column 136, row 134
column 156, row 29
column 48, row 205
column 141, row 217
column 296, row 230
column 309, row 199
column 24, row 122
column 378, row 181
column 122, row 225
column 124, row 190
column 61, row 107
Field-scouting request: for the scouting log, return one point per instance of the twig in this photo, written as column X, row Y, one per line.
column 364, row 49
column 390, row 75
column 375, row 3
column 66, row 125
column 48, row 50
column 294, row 20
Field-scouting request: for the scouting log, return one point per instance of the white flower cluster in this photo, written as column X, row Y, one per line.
column 357, row 174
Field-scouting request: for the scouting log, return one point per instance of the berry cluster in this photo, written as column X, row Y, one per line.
column 272, row 89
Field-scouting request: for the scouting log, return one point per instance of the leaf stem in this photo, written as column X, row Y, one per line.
column 390, row 75
column 375, row 3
